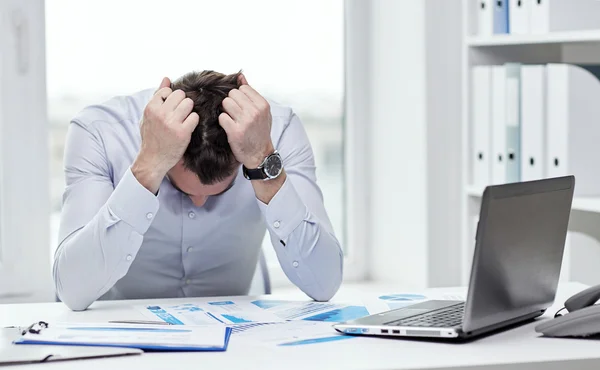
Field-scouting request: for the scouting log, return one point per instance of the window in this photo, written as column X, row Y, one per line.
column 291, row 51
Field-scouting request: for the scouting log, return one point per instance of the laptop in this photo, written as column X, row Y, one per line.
column 519, row 247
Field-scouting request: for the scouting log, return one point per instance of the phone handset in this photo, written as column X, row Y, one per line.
column 582, row 319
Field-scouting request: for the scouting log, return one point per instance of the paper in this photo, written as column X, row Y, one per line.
column 206, row 313
column 312, row 311
column 394, row 301
column 135, row 336
column 292, row 333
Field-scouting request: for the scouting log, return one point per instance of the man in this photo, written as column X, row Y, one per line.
column 169, row 193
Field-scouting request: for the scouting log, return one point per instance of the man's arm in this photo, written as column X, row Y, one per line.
column 298, row 225
column 300, row 230
column 102, row 228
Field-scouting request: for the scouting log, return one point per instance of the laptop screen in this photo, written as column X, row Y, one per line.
column 519, row 250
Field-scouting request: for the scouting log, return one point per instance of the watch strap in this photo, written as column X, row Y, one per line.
column 254, row 173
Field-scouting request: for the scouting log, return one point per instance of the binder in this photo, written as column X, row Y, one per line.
column 485, row 17
column 500, row 16
column 519, row 14
column 573, row 108
column 498, row 125
column 533, row 122
column 145, row 337
column 513, row 122
column 481, row 125
column 564, row 15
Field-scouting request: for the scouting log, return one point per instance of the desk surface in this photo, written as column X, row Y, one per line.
column 520, row 348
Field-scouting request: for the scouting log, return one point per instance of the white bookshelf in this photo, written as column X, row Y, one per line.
column 573, row 37
column 560, row 47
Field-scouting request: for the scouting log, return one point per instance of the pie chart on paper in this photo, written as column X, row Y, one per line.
column 402, row 297
column 395, row 301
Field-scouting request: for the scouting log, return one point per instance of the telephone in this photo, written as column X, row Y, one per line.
column 583, row 319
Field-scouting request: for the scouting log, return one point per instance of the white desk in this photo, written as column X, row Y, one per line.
column 520, row 348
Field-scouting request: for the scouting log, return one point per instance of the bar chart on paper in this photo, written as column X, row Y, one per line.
column 217, row 312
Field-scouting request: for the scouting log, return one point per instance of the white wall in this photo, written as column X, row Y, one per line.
column 398, row 132
column 415, row 138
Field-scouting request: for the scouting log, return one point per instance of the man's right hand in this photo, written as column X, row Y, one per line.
column 166, row 128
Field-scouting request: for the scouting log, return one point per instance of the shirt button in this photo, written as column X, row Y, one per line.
column 187, row 282
column 191, row 214
column 295, row 264
column 129, row 258
column 276, row 224
column 190, row 249
column 149, row 215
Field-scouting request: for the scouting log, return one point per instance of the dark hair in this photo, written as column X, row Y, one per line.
column 208, row 155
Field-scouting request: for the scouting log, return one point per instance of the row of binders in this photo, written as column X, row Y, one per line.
column 530, row 122
column 535, row 16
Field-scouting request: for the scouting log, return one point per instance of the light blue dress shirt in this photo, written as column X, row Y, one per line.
column 117, row 240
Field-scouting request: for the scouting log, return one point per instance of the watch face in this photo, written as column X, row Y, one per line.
column 273, row 166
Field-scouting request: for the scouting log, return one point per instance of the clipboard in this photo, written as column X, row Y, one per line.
column 15, row 355
column 143, row 337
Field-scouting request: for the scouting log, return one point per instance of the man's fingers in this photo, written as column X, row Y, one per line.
column 253, row 95
column 242, row 79
column 173, row 100
column 191, row 122
column 183, row 109
column 160, row 96
column 232, row 108
column 241, row 99
column 164, row 83
column 226, row 121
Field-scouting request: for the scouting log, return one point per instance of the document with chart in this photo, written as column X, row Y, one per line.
column 288, row 334
column 312, row 311
column 204, row 313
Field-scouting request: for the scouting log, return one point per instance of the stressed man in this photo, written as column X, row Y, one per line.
column 169, row 193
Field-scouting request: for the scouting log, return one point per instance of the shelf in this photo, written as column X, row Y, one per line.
column 572, row 37
column 585, row 204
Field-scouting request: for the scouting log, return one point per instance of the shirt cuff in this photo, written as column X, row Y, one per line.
column 133, row 203
column 285, row 211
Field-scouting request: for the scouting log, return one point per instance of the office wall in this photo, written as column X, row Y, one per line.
column 415, row 142
column 398, row 143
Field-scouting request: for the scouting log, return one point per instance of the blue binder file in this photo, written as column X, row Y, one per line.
column 501, row 25
column 148, row 338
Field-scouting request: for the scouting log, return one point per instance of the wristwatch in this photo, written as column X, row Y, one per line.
column 269, row 169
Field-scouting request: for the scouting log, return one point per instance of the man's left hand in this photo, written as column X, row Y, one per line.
column 247, row 122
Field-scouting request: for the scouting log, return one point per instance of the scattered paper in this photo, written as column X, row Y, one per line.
column 292, row 333
column 394, row 301
column 312, row 311
column 216, row 312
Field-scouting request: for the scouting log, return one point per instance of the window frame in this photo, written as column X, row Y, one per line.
column 355, row 146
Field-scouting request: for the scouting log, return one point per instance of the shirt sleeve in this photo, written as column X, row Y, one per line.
column 102, row 226
column 299, row 228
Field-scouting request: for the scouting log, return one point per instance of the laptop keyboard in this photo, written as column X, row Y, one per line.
column 448, row 317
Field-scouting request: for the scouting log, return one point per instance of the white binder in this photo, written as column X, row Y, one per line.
column 519, row 12
column 573, row 110
column 480, row 125
column 564, row 15
column 533, row 122
column 485, row 17
column 498, row 125
column 513, row 122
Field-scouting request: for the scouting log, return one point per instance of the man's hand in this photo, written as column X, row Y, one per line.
column 166, row 128
column 247, row 122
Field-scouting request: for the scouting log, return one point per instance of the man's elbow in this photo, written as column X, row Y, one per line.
column 329, row 289
column 75, row 304
column 71, row 298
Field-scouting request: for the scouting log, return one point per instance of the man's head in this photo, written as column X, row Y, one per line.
column 208, row 166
